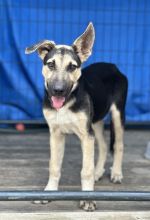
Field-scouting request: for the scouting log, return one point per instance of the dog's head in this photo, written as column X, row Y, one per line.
column 62, row 65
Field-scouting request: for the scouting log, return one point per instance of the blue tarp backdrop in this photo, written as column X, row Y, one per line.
column 122, row 37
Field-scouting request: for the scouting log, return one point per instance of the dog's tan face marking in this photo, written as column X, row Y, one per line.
column 62, row 65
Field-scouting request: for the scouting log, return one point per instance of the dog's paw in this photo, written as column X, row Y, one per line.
column 43, row 202
column 116, row 177
column 98, row 174
column 88, row 206
column 47, row 188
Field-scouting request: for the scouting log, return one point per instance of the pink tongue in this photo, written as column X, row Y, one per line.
column 58, row 101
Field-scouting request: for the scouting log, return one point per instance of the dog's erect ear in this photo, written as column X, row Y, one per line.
column 84, row 43
column 43, row 47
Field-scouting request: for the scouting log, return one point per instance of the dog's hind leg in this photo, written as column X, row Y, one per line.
column 118, row 146
column 102, row 148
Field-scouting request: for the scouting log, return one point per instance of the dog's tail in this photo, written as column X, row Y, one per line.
column 112, row 137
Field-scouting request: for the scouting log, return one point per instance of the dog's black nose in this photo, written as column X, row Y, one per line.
column 58, row 88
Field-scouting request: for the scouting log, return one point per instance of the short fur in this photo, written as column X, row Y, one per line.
column 88, row 96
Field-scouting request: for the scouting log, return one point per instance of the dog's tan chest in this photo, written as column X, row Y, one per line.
column 66, row 121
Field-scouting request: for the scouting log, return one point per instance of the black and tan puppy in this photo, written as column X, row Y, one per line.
column 76, row 102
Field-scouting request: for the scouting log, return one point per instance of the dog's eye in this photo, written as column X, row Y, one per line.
column 51, row 65
column 71, row 67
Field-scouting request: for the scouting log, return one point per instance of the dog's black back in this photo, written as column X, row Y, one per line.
column 106, row 85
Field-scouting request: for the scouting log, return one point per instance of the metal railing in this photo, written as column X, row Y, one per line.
column 75, row 195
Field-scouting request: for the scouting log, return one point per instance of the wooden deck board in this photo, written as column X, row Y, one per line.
column 77, row 215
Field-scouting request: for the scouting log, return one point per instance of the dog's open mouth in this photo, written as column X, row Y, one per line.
column 57, row 102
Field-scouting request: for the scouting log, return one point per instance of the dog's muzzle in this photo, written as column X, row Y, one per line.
column 58, row 93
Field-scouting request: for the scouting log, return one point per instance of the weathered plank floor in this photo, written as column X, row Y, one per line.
column 77, row 215
column 24, row 166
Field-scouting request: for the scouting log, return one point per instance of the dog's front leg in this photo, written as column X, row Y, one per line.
column 57, row 142
column 87, row 172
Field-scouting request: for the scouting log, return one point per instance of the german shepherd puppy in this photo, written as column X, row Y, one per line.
column 76, row 102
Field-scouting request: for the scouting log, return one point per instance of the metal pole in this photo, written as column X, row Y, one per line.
column 75, row 195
